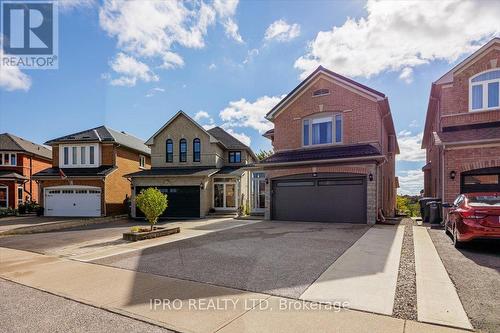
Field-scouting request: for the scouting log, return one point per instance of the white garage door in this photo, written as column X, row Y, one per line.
column 72, row 201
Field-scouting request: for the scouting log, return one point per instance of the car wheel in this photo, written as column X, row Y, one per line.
column 447, row 229
column 458, row 244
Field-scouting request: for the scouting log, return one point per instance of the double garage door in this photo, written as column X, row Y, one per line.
column 183, row 201
column 72, row 201
column 336, row 199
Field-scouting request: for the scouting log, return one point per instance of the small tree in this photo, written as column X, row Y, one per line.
column 152, row 203
column 262, row 154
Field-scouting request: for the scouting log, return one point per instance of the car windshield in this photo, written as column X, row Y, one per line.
column 484, row 200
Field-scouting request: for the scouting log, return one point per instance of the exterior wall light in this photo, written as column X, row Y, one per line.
column 267, row 181
column 453, row 174
column 370, row 177
column 201, row 186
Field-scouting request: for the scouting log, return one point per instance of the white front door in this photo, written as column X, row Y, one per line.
column 73, row 201
column 258, row 192
column 225, row 196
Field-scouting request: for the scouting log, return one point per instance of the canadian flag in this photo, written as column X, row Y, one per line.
column 62, row 174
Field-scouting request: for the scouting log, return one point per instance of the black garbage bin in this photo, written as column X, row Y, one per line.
column 424, row 209
column 434, row 209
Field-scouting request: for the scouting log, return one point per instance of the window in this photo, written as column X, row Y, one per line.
column 91, row 155
column 321, row 92
column 8, row 159
column 142, row 161
column 485, row 91
column 170, row 151
column 4, row 197
column 235, row 157
column 79, row 156
column 324, row 130
column 74, row 153
column 196, row 150
column 20, row 194
column 66, row 155
column 83, row 151
column 183, row 150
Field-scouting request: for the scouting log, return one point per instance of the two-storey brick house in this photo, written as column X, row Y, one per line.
column 19, row 160
column 86, row 177
column 335, row 147
column 462, row 127
column 199, row 170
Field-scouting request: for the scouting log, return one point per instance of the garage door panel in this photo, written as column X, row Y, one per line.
column 77, row 202
column 320, row 200
column 183, row 201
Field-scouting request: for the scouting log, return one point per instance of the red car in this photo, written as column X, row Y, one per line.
column 473, row 216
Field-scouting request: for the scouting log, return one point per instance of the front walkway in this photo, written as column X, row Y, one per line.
column 188, row 306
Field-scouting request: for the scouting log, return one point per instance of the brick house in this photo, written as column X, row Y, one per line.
column 462, row 127
column 335, row 147
column 86, row 177
column 19, row 160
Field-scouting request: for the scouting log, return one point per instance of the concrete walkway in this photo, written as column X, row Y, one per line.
column 437, row 299
column 188, row 306
column 365, row 276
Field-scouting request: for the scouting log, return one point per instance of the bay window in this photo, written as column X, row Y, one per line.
column 8, row 159
column 484, row 91
column 78, row 156
column 322, row 130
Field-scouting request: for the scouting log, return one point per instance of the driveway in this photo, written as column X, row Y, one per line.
column 13, row 222
column 280, row 258
column 475, row 271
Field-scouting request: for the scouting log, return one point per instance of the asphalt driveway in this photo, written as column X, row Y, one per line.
column 280, row 258
column 475, row 271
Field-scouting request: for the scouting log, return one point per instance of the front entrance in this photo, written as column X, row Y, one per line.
column 258, row 192
column 225, row 194
column 4, row 196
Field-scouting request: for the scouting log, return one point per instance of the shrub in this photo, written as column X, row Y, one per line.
column 152, row 203
column 21, row 208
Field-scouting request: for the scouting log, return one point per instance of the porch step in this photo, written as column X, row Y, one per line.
column 222, row 215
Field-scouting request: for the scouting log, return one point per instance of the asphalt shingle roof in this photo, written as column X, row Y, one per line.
column 10, row 142
column 171, row 171
column 76, row 172
column 472, row 132
column 11, row 175
column 229, row 141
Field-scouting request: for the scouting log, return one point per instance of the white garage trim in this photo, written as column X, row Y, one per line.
column 73, row 200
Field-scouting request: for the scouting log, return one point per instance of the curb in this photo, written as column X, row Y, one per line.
column 54, row 226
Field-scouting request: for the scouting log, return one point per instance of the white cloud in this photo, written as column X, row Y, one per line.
column 410, row 182
column 240, row 136
column 406, row 75
column 12, row 78
column 155, row 91
column 208, row 126
column 151, row 29
column 67, row 5
column 200, row 115
column 396, row 35
column 413, row 123
column 250, row 55
column 409, row 146
column 212, row 67
column 243, row 113
column 131, row 70
column 281, row 31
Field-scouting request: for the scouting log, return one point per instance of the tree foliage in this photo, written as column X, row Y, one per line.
column 262, row 154
column 408, row 205
column 152, row 203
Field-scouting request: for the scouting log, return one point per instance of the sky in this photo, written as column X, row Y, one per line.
column 131, row 65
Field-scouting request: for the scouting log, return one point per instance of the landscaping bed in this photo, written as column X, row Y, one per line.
column 146, row 233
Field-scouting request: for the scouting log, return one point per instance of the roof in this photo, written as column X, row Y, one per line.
column 11, row 175
column 269, row 134
column 11, row 142
column 322, row 70
column 172, row 171
column 226, row 139
column 448, row 76
column 326, row 153
column 231, row 171
column 101, row 171
column 480, row 133
column 104, row 134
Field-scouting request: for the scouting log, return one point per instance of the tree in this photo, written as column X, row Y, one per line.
column 152, row 203
column 262, row 154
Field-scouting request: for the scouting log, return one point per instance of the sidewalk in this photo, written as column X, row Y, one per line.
column 188, row 306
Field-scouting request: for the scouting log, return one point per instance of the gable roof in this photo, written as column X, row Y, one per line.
column 104, row 134
column 448, row 76
column 150, row 141
column 229, row 141
column 337, row 77
column 10, row 142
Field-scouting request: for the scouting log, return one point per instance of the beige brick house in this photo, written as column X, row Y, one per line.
column 86, row 177
column 335, row 147
column 462, row 127
column 199, row 170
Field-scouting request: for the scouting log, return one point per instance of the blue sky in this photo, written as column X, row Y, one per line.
column 227, row 63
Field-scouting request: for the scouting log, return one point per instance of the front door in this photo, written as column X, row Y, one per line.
column 225, row 195
column 258, row 192
column 4, row 197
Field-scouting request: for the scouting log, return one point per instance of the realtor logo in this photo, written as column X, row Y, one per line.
column 29, row 34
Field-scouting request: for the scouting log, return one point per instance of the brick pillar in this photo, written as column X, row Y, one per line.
column 371, row 195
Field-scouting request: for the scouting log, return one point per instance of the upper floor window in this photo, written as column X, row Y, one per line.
column 78, row 156
column 196, row 150
column 170, row 151
column 485, row 91
column 183, row 150
column 142, row 161
column 8, row 159
column 321, row 92
column 235, row 157
column 321, row 131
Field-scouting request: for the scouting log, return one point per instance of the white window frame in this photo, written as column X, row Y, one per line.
column 226, row 181
column 79, row 164
column 332, row 117
column 2, row 164
column 142, row 161
column 6, row 197
column 20, row 199
column 484, row 84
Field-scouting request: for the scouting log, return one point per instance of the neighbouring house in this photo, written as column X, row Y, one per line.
column 19, row 160
column 86, row 177
column 335, row 147
column 462, row 127
column 200, row 170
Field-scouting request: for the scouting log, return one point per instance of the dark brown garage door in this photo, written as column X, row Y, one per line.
column 183, row 201
column 320, row 199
